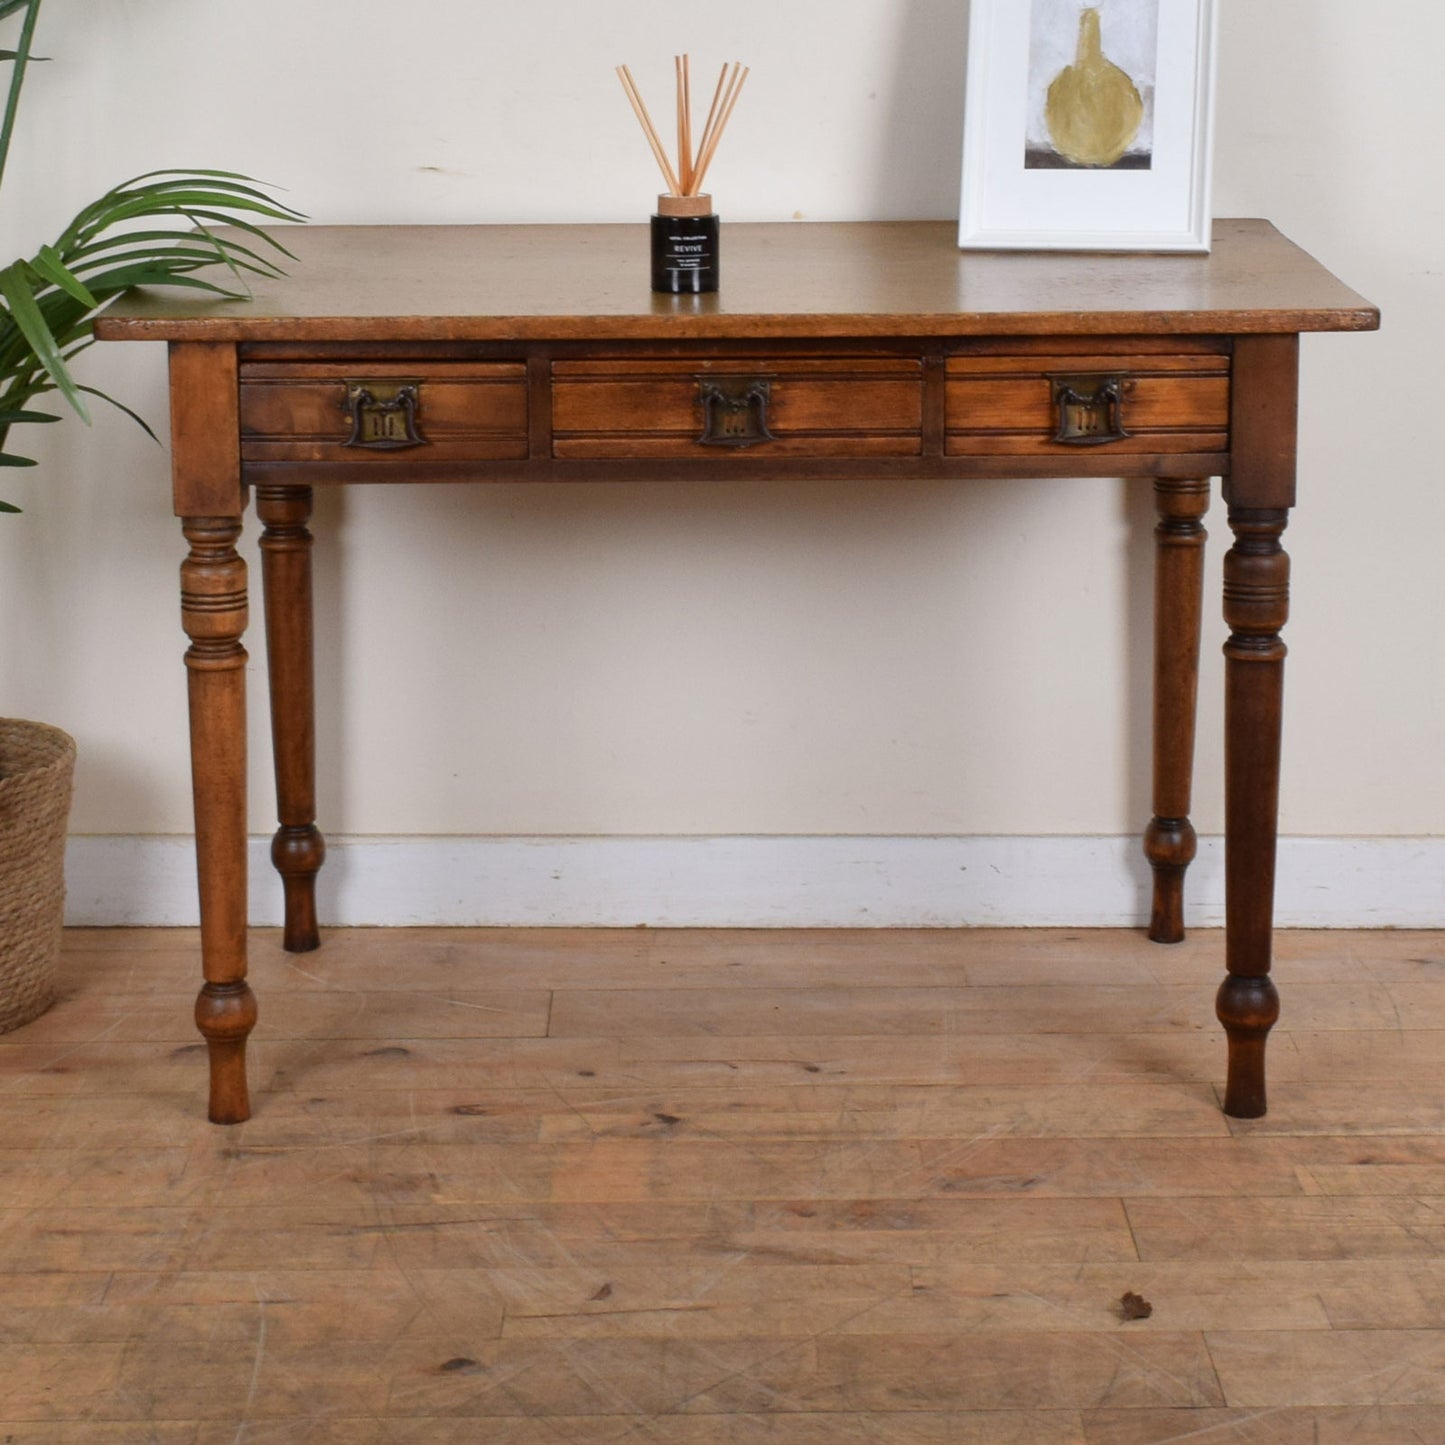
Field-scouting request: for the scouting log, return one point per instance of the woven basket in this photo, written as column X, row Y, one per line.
column 36, row 766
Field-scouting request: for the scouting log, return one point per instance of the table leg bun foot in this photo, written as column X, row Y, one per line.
column 1169, row 845
column 225, row 1015
column 298, row 853
column 1248, row 1008
column 1166, row 917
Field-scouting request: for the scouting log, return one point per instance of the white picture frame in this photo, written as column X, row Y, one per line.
column 1019, row 192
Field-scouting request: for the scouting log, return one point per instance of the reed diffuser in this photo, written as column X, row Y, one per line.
column 685, row 228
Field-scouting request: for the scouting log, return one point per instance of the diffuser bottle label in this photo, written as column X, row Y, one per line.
column 686, row 250
column 685, row 253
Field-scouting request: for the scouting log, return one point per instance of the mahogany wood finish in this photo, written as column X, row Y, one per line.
column 1256, row 603
column 1260, row 490
column 540, row 353
column 213, row 612
column 474, row 412
column 1169, row 841
column 820, row 407
column 868, row 279
column 209, row 497
column 298, row 848
column 1003, row 405
column 205, row 450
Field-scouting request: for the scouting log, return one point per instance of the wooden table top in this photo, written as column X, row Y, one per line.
column 794, row 279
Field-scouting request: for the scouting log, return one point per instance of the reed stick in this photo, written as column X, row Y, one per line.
column 693, row 159
column 724, row 115
column 648, row 129
column 684, row 125
column 712, row 110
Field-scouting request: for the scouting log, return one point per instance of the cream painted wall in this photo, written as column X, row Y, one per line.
column 743, row 658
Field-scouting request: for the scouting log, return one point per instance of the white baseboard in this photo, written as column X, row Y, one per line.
column 765, row 882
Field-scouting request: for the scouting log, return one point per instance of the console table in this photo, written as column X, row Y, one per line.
column 539, row 353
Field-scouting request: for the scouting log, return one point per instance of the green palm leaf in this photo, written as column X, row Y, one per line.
column 19, row 61
column 50, row 300
column 157, row 229
column 135, row 416
column 174, row 192
column 15, row 287
column 84, row 256
column 48, row 265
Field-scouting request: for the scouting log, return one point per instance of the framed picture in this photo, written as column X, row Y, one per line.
column 1087, row 125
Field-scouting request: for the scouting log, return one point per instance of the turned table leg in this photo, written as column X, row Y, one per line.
column 298, row 848
column 213, row 613
column 1169, row 841
column 1256, row 606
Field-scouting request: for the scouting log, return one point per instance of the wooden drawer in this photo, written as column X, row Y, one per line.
column 457, row 411
column 1012, row 405
column 710, row 408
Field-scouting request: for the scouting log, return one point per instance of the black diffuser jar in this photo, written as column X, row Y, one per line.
column 684, row 245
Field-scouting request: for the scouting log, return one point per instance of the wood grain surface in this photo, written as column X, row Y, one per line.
column 801, row 280
column 727, row 1188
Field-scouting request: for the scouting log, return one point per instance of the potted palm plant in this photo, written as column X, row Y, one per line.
column 154, row 230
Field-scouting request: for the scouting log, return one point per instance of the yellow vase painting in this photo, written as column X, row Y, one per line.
column 1093, row 111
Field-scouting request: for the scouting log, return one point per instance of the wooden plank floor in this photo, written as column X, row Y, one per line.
column 740, row 1188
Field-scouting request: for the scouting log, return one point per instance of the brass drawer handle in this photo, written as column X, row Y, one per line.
column 383, row 414
column 734, row 410
column 1090, row 409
